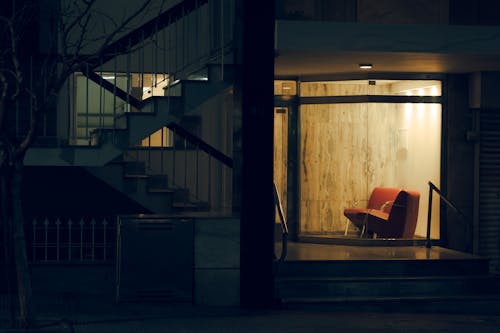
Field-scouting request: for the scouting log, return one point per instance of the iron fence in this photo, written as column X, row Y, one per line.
column 59, row 239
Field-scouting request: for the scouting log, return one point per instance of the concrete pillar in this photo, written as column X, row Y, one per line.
column 255, row 90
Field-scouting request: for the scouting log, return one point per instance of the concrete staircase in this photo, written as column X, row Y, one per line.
column 394, row 285
column 152, row 191
column 108, row 141
column 103, row 154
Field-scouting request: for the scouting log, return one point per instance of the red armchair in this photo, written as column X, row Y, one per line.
column 391, row 213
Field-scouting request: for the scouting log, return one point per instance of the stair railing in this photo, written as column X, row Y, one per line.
column 462, row 217
column 283, row 223
column 166, row 42
column 188, row 162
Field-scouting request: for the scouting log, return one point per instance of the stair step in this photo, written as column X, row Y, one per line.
column 135, row 176
column 480, row 304
column 134, row 168
column 160, row 190
column 194, row 206
column 158, row 182
column 384, row 267
column 401, row 286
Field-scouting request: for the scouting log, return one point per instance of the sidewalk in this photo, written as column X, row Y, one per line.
column 134, row 318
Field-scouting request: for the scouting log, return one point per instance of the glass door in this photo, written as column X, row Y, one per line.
column 281, row 154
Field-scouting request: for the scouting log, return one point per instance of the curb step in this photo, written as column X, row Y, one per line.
column 465, row 304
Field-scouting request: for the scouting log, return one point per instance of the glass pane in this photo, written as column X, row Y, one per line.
column 348, row 149
column 371, row 87
column 281, row 154
column 285, row 87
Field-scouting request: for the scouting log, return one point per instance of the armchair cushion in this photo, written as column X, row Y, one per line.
column 391, row 213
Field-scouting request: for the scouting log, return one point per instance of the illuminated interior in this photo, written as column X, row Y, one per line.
column 346, row 149
column 161, row 138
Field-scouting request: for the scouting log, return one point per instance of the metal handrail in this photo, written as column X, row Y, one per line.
column 462, row 216
column 284, row 226
column 200, row 143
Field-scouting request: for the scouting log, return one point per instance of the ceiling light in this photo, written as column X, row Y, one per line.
column 365, row 66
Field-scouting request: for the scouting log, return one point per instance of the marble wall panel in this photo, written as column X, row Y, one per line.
column 281, row 154
column 344, row 88
column 333, row 160
column 348, row 149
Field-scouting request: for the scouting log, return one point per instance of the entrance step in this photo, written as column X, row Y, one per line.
column 387, row 287
column 384, row 268
column 459, row 304
column 347, row 278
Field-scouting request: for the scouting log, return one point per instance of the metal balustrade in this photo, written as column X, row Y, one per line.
column 83, row 240
column 145, row 64
column 203, row 178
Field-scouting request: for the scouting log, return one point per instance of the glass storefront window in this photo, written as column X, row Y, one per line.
column 371, row 87
column 347, row 149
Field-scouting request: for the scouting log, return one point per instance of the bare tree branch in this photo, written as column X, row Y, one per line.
column 66, row 31
column 121, row 27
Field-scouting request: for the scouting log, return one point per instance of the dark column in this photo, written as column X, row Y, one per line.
column 254, row 88
column 458, row 163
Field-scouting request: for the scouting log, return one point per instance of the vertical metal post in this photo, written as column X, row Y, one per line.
column 92, row 228
column 101, row 102
column 222, row 40
column 162, row 149
column 197, row 170
column 114, row 93
column 476, row 121
column 148, row 165
column 87, row 136
column 31, row 87
column 184, row 39
column 154, row 61
column 34, row 239
column 186, row 191
column 197, row 45
column 104, row 245
column 69, row 107
column 128, row 73
column 58, row 225
column 429, row 217
column 141, row 64
column 176, row 34
column 46, row 229
column 210, row 180
column 81, row 239
column 70, row 223
column 173, row 159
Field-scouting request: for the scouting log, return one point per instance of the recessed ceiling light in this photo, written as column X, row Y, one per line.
column 365, row 66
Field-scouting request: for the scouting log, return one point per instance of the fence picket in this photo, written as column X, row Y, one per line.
column 82, row 223
column 104, row 225
column 58, row 224
column 70, row 223
column 92, row 226
column 50, row 235
column 46, row 229
column 33, row 246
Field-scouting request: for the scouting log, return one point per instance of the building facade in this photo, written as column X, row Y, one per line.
column 176, row 121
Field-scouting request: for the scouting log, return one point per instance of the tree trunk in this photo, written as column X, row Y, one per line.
column 26, row 314
column 7, row 243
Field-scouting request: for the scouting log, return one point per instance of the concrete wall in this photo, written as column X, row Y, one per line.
column 216, row 271
column 217, row 261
